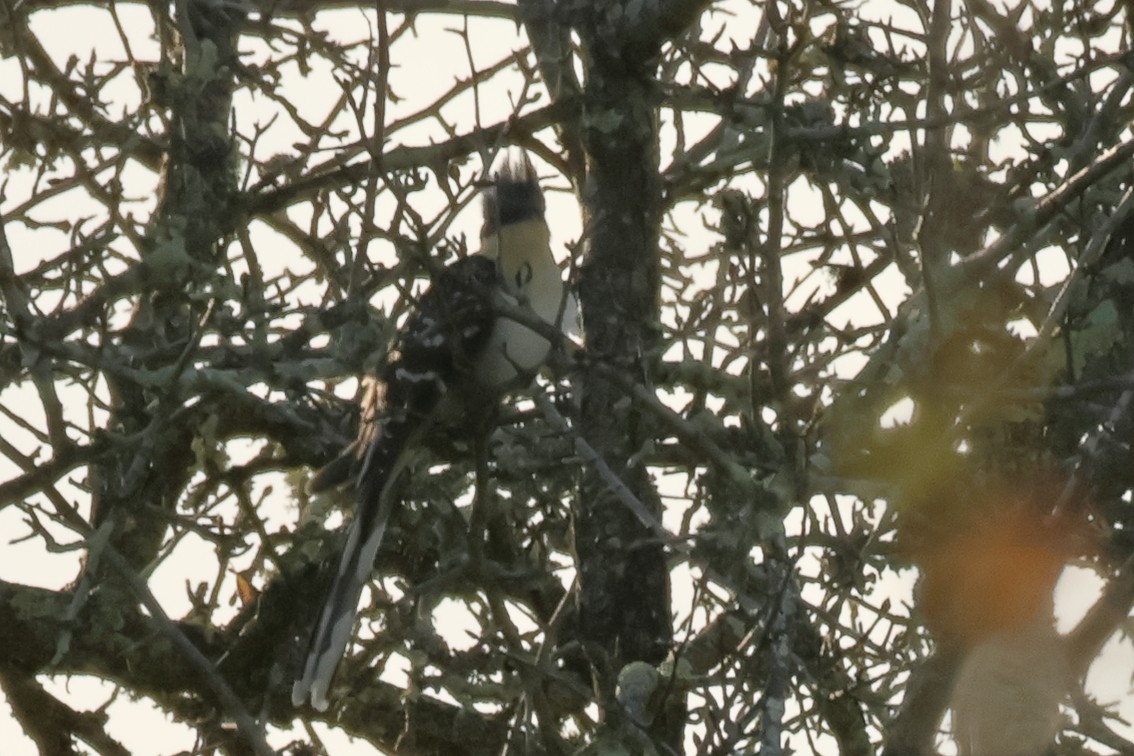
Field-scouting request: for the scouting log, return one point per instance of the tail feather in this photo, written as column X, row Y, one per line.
column 336, row 620
column 378, row 494
column 346, row 465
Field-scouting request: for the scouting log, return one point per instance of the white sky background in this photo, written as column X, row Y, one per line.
column 425, row 65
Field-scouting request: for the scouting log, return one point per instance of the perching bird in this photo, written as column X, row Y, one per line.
column 455, row 353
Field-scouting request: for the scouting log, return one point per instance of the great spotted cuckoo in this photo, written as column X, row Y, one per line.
column 454, row 353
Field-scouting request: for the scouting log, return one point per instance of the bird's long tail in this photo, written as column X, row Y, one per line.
column 378, row 493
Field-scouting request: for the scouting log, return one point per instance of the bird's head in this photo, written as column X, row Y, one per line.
column 512, row 195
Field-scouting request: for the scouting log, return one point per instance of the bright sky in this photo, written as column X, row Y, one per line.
column 424, row 68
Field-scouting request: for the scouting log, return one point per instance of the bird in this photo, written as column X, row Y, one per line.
column 455, row 354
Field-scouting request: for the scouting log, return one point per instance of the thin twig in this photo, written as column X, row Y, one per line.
column 229, row 701
column 637, row 507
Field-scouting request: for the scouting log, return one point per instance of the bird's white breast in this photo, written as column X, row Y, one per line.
column 531, row 279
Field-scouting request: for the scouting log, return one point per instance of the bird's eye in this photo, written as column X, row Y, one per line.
column 523, row 275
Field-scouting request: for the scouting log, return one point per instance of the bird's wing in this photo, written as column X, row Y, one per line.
column 434, row 351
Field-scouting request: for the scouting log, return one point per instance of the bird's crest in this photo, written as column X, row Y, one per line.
column 513, row 193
